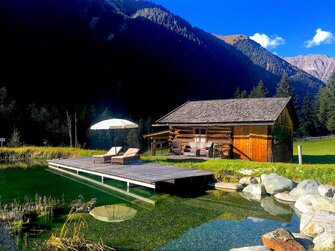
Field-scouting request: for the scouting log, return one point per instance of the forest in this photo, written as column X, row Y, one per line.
column 316, row 114
column 51, row 125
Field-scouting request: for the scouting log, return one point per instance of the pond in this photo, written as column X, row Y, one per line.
column 213, row 220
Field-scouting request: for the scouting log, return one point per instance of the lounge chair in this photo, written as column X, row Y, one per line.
column 205, row 148
column 176, row 148
column 107, row 156
column 130, row 155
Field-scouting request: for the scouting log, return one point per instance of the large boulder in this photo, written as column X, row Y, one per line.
column 248, row 180
column 280, row 240
column 323, row 203
column 252, row 196
column 315, row 223
column 284, row 197
column 304, row 203
column 273, row 207
column 305, row 187
column 324, row 242
column 253, row 248
column 255, row 189
column 274, row 183
column 326, row 191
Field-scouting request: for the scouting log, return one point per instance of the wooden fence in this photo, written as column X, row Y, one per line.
column 331, row 136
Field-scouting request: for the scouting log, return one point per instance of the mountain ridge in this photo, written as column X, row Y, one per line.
column 115, row 52
column 273, row 63
column 319, row 65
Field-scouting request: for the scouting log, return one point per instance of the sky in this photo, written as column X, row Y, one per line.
column 284, row 27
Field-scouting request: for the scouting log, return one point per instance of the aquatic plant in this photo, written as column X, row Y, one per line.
column 71, row 235
column 80, row 206
column 16, row 214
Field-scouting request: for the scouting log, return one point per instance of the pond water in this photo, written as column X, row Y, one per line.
column 213, row 220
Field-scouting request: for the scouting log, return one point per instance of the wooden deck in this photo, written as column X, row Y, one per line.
column 137, row 173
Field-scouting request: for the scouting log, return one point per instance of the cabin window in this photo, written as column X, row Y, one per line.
column 200, row 135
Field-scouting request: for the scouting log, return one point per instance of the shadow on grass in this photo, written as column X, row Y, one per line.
column 192, row 160
column 316, row 159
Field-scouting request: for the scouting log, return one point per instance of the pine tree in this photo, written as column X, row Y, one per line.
column 284, row 88
column 259, row 91
column 308, row 116
column 15, row 139
column 326, row 99
column 240, row 94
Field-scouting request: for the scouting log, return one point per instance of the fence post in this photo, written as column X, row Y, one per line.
column 300, row 154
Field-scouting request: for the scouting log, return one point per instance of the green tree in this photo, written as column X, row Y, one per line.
column 240, row 94
column 15, row 139
column 284, row 88
column 308, row 116
column 259, row 91
column 6, row 106
column 326, row 99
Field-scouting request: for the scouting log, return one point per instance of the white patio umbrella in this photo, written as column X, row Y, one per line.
column 114, row 124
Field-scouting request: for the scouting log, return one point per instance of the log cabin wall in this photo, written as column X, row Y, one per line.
column 252, row 142
column 283, row 151
column 221, row 136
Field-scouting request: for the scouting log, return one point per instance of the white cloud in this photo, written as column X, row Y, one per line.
column 320, row 37
column 266, row 41
column 254, row 219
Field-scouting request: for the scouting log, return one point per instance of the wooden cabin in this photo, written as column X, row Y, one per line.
column 259, row 129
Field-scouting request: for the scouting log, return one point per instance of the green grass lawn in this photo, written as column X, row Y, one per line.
column 316, row 151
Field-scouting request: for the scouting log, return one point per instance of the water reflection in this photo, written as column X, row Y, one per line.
column 241, row 223
column 273, row 207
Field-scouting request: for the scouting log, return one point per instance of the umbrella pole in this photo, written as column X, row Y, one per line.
column 115, row 139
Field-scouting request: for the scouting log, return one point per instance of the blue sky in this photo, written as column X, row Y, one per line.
column 285, row 27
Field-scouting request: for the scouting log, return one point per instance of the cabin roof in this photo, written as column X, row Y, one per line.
column 227, row 111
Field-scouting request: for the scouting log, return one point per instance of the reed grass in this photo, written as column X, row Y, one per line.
column 44, row 153
column 18, row 213
column 71, row 236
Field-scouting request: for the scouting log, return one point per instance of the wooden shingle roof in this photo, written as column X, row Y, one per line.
column 227, row 111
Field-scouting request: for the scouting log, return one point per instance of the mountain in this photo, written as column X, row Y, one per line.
column 133, row 56
column 273, row 64
column 318, row 65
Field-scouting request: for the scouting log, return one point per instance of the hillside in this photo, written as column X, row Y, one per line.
column 273, row 64
column 114, row 53
column 128, row 50
column 134, row 57
column 320, row 66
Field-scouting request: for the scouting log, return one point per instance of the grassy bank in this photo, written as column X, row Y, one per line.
column 316, row 151
column 43, row 153
column 232, row 170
